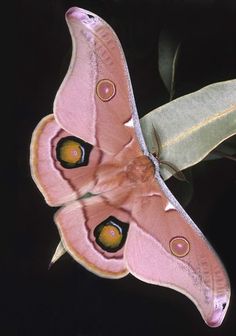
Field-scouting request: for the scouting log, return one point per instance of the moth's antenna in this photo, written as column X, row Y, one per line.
column 177, row 173
column 157, row 152
column 223, row 155
column 157, row 149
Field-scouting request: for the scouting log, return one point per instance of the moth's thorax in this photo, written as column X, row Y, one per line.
column 140, row 169
column 113, row 175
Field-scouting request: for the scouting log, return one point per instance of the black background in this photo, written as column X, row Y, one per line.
column 67, row 299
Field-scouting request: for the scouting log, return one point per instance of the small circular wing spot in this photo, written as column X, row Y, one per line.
column 179, row 246
column 105, row 90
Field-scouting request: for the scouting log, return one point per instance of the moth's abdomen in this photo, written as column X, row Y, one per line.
column 141, row 169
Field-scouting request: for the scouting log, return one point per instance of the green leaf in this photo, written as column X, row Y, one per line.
column 190, row 127
column 168, row 50
column 226, row 150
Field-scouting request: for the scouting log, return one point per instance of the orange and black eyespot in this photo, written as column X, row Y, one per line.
column 111, row 234
column 73, row 152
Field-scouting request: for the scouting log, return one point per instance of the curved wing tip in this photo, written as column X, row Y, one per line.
column 76, row 13
column 216, row 319
column 72, row 11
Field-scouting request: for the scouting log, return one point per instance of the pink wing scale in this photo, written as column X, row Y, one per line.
column 76, row 223
column 55, row 189
column 60, row 185
column 199, row 275
column 76, row 98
